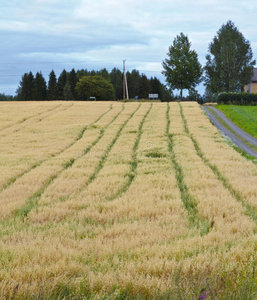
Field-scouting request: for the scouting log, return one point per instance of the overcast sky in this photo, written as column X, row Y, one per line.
column 41, row 35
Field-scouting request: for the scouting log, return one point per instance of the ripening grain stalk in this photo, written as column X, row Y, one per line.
column 136, row 199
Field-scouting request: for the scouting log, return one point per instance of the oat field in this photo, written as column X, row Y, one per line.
column 108, row 200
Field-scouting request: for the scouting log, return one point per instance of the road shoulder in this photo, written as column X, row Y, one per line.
column 230, row 130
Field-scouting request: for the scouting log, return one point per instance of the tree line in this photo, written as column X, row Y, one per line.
column 71, row 85
column 229, row 68
column 4, row 97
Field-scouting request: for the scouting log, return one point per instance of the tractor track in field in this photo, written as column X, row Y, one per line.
column 239, row 137
column 134, row 162
column 39, row 163
column 33, row 200
column 20, row 123
column 250, row 210
column 188, row 200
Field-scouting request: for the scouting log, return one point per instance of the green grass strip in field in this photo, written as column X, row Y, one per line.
column 109, row 148
column 189, row 202
column 133, row 164
column 39, row 163
column 32, row 201
column 251, row 212
column 29, row 117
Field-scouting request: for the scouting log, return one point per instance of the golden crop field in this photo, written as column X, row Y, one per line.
column 109, row 200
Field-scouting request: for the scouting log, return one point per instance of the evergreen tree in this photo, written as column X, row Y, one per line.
column 82, row 72
column 181, row 68
column 93, row 73
column 39, row 91
column 25, row 90
column 134, row 79
column 105, row 74
column 73, row 80
column 229, row 64
column 166, row 94
column 117, row 82
column 61, row 84
column 52, row 87
column 4, row 97
column 144, row 88
column 155, row 86
column 67, row 94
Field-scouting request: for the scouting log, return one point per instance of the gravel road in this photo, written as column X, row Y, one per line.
column 237, row 131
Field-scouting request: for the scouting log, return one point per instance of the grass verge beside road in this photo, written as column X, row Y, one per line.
column 243, row 116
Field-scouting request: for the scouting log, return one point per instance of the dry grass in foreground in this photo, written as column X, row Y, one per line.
column 123, row 201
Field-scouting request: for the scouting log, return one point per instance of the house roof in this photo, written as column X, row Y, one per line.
column 254, row 78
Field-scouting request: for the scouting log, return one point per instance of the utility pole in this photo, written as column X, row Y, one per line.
column 125, row 84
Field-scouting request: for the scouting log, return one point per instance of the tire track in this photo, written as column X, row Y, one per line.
column 93, row 175
column 133, row 165
column 106, row 153
column 251, row 212
column 189, row 202
column 51, row 114
column 38, row 164
column 33, row 200
column 22, row 121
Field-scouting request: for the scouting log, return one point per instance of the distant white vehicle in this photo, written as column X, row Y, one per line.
column 92, row 98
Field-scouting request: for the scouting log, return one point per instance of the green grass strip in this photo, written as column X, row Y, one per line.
column 250, row 211
column 32, row 201
column 244, row 117
column 238, row 136
column 102, row 131
column 189, row 202
column 239, row 150
column 109, row 148
column 37, row 164
column 30, row 117
column 133, row 165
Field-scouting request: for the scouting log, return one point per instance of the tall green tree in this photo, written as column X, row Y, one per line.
column 95, row 86
column 39, row 91
column 117, row 82
column 82, row 72
column 104, row 73
column 134, row 81
column 4, row 97
column 144, row 87
column 182, row 68
column 67, row 95
column 61, row 85
column 230, row 61
column 26, row 88
column 155, row 86
column 166, row 94
column 73, row 80
column 52, row 87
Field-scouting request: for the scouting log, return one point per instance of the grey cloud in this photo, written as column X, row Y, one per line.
column 73, row 33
